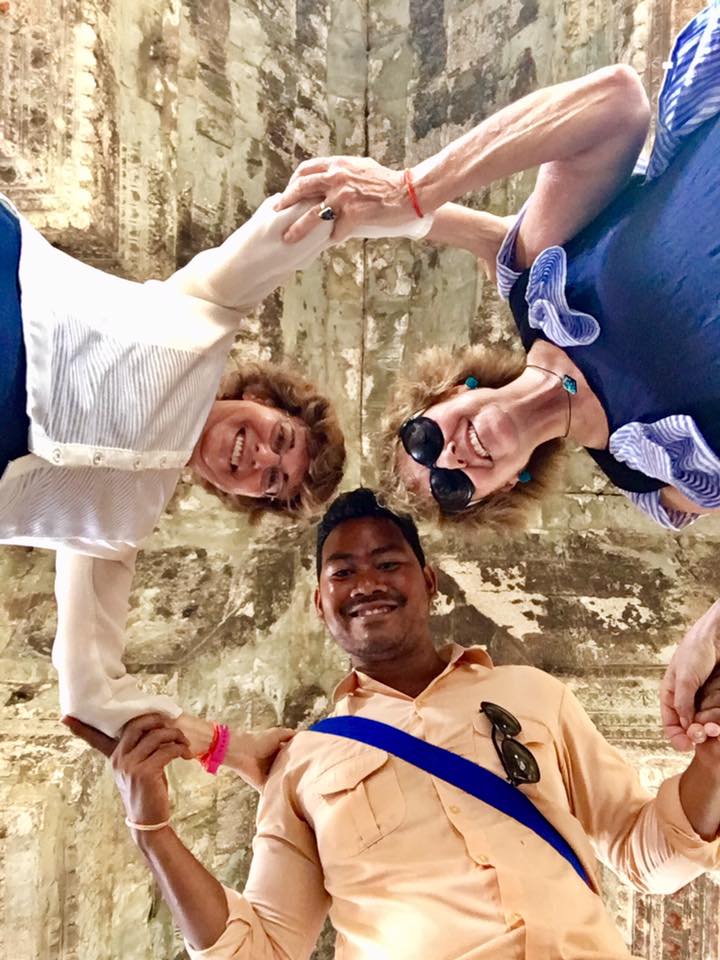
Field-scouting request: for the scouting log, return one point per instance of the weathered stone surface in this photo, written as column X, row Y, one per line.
column 136, row 133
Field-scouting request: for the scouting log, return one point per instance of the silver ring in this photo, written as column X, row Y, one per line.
column 327, row 213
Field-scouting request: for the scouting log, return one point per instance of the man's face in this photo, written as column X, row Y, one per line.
column 373, row 594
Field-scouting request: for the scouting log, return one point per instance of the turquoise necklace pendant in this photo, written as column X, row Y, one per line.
column 569, row 384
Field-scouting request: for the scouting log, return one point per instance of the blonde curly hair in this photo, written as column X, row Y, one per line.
column 281, row 386
column 436, row 374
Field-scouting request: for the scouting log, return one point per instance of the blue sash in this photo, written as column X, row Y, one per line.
column 13, row 395
column 455, row 770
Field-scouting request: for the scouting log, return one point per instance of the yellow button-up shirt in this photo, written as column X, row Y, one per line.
column 411, row 868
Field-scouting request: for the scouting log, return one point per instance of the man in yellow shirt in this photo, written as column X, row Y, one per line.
column 407, row 865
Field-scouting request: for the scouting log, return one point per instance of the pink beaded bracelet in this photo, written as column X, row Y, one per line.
column 218, row 748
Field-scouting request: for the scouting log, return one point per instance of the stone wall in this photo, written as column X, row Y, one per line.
column 135, row 132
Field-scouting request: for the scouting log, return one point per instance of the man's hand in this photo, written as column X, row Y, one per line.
column 359, row 190
column 252, row 754
column 138, row 760
column 691, row 665
column 705, row 729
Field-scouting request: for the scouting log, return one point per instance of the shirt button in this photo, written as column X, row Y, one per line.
column 513, row 919
column 483, row 860
column 163, row 461
column 454, row 809
column 56, row 456
column 137, row 463
column 97, row 458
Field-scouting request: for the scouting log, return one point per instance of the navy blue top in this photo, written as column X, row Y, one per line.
column 647, row 270
column 13, row 396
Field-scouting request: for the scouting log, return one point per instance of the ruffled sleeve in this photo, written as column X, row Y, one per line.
column 675, row 451
column 651, row 505
column 690, row 93
column 506, row 270
column 548, row 309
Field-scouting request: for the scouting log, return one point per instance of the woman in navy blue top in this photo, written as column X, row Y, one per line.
column 614, row 284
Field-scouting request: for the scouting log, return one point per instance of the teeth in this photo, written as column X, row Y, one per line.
column 474, row 440
column 237, row 450
column 369, row 611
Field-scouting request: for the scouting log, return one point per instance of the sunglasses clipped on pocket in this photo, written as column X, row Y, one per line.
column 519, row 764
column 423, row 440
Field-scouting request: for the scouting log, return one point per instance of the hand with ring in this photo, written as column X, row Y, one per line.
column 350, row 191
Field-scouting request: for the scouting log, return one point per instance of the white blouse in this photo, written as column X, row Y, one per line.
column 121, row 378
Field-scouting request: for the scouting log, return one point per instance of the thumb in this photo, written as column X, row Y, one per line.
column 686, row 686
column 281, row 735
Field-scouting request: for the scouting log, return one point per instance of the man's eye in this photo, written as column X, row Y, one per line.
column 340, row 574
column 389, row 565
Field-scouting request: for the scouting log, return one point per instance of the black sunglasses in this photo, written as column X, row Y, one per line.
column 518, row 763
column 423, row 440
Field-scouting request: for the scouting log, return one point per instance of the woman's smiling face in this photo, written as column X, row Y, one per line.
column 481, row 437
column 252, row 449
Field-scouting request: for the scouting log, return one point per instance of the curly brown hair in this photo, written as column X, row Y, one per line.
column 434, row 377
column 281, row 386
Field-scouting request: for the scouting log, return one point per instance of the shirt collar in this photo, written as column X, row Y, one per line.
column 452, row 653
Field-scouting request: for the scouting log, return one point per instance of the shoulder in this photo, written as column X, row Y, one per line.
column 528, row 691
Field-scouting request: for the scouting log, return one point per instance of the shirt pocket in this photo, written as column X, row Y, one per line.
column 358, row 802
column 534, row 735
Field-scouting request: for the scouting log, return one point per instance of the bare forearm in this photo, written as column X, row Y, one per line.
column 553, row 124
column 700, row 798
column 196, row 899
column 479, row 232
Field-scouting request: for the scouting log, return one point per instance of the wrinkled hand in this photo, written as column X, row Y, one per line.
column 360, row 191
column 146, row 746
column 691, row 665
column 252, row 754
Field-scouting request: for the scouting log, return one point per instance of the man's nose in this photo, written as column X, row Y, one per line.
column 264, row 456
column 367, row 582
column 450, row 458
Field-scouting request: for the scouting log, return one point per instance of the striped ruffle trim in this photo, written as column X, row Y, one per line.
column 675, row 451
column 650, row 504
column 690, row 93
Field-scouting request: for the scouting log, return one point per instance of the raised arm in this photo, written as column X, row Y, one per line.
column 92, row 602
column 254, row 260
column 658, row 844
column 584, row 134
column 285, row 903
column 479, row 232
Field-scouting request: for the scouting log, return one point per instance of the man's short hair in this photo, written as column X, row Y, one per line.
column 356, row 505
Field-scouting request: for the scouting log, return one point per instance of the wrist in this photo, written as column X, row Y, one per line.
column 434, row 185
column 147, row 842
column 198, row 731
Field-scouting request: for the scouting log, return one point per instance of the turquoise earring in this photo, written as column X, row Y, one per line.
column 471, row 383
column 524, row 476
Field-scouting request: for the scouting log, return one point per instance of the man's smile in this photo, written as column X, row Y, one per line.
column 372, row 608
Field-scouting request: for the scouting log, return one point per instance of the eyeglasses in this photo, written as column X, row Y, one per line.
column 423, row 440
column 518, row 762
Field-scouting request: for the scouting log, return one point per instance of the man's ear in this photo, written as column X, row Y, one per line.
column 318, row 605
column 430, row 580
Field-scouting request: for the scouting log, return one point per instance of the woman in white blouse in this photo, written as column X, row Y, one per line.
column 109, row 391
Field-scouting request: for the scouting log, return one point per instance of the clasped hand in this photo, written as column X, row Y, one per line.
column 149, row 743
column 359, row 190
column 690, row 691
